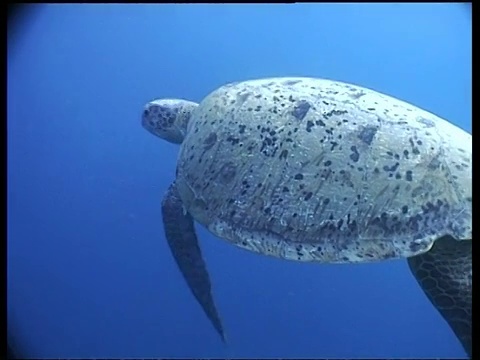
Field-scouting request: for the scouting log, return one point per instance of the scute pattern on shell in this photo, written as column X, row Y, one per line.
column 318, row 170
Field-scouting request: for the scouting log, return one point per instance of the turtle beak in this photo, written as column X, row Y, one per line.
column 146, row 123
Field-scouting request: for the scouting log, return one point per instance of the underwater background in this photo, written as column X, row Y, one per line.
column 89, row 271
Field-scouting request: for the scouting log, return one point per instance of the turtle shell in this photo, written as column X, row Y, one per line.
column 316, row 170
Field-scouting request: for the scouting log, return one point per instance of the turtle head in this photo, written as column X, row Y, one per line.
column 168, row 118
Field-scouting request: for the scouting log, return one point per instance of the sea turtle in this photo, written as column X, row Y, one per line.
column 317, row 170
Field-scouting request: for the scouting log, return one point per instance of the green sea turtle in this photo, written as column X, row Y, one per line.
column 316, row 170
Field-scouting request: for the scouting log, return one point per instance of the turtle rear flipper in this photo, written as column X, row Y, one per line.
column 445, row 275
column 183, row 242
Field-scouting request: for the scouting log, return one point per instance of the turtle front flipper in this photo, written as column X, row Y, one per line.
column 183, row 242
column 445, row 275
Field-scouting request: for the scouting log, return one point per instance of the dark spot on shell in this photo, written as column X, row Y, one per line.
column 334, row 112
column 355, row 156
column 340, row 223
column 233, row 140
column 309, row 126
column 391, row 168
column 326, row 201
column 308, row 195
column 415, row 150
column 357, row 95
column 408, row 175
column 298, row 177
column 291, row 82
column 367, row 133
column 300, row 110
column 327, row 163
column 427, row 122
column 210, row 141
column 417, row 191
column 241, row 98
column 228, row 171
column 283, row 154
column 435, row 163
column 404, row 209
column 241, row 128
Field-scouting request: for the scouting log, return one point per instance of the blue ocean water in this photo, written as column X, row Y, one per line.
column 89, row 270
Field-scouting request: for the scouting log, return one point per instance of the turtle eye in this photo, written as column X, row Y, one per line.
column 145, row 112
